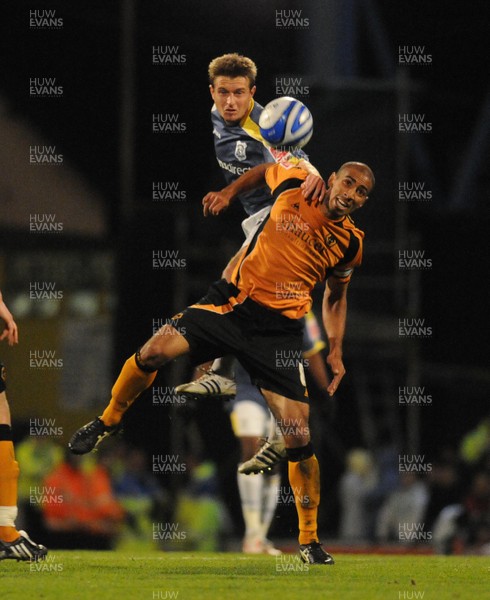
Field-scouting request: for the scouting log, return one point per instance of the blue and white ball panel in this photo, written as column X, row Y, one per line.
column 286, row 122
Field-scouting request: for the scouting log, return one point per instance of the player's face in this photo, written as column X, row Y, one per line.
column 232, row 96
column 349, row 189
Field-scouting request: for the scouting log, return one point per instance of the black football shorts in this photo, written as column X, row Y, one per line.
column 267, row 344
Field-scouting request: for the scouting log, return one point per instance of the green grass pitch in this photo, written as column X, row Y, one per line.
column 218, row 576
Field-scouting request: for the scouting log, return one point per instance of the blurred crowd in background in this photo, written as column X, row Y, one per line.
column 113, row 499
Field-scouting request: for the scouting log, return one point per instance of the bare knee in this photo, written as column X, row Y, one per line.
column 291, row 417
column 295, row 431
column 162, row 347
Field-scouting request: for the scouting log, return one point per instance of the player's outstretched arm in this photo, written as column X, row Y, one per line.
column 308, row 167
column 215, row 202
column 314, row 188
column 334, row 313
column 10, row 330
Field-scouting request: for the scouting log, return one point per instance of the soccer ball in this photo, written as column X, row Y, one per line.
column 286, row 122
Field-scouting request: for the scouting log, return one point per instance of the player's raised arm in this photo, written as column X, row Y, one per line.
column 215, row 202
column 314, row 188
column 334, row 313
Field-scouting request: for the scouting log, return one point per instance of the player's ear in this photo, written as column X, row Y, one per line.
column 331, row 179
column 252, row 90
column 211, row 90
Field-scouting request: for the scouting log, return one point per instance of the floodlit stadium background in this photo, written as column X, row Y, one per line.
column 348, row 62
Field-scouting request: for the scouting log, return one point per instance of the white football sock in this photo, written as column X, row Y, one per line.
column 8, row 514
column 270, row 492
column 250, row 488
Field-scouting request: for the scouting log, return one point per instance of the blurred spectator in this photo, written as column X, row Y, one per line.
column 386, row 457
column 401, row 516
column 80, row 510
column 465, row 528
column 445, row 528
column 141, row 496
column 445, row 488
column 37, row 456
column 476, row 443
column 356, row 484
column 199, row 511
column 475, row 520
column 484, row 462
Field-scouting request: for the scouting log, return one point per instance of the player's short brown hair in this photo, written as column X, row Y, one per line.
column 232, row 65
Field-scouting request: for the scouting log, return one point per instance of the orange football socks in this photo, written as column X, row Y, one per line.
column 304, row 478
column 9, row 476
column 132, row 381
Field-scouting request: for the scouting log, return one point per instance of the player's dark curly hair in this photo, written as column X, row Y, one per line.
column 232, row 65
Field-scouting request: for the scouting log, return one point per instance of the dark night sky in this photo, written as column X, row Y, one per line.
column 83, row 55
column 85, row 122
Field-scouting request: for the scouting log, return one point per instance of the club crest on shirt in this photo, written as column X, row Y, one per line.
column 241, row 150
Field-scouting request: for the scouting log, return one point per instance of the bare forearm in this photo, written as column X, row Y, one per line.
column 308, row 167
column 334, row 313
column 251, row 179
column 215, row 202
column 334, row 320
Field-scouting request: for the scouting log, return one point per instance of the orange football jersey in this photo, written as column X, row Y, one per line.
column 297, row 248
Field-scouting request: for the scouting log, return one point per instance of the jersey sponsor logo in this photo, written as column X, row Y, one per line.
column 303, row 235
column 232, row 168
column 241, row 150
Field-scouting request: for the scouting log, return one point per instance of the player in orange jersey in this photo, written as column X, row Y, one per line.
column 13, row 543
column 238, row 146
column 301, row 243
